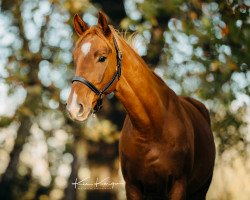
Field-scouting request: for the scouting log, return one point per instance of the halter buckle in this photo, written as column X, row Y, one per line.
column 119, row 55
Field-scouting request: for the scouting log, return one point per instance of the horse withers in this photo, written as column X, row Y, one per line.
column 166, row 146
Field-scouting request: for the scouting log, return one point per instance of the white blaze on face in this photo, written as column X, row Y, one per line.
column 74, row 107
column 86, row 48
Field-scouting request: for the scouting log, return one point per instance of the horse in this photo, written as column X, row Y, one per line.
column 166, row 146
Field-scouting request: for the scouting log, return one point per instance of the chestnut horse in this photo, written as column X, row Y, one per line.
column 166, row 146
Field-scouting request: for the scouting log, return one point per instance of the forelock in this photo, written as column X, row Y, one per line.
column 94, row 30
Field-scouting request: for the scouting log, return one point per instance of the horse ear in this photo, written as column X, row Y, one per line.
column 103, row 24
column 79, row 25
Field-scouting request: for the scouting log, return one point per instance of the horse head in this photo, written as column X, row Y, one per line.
column 97, row 60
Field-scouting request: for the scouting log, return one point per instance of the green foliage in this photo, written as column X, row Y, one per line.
column 199, row 48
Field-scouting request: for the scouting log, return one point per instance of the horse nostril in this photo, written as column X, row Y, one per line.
column 81, row 110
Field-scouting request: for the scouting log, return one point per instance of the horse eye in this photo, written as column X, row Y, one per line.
column 102, row 59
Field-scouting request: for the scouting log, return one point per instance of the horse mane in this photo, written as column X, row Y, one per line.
column 93, row 30
column 129, row 38
column 129, row 42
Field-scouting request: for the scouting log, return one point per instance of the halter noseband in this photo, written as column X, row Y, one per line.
column 98, row 92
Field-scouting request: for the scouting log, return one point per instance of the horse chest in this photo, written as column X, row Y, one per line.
column 149, row 159
column 144, row 161
column 143, row 165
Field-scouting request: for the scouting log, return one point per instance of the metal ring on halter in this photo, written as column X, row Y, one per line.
column 98, row 105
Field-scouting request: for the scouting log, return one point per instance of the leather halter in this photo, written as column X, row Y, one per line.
column 98, row 92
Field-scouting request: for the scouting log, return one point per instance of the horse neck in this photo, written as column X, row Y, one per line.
column 144, row 95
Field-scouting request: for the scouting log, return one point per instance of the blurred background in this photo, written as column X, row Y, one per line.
column 200, row 48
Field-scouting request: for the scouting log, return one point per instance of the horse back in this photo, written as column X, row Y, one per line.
column 199, row 106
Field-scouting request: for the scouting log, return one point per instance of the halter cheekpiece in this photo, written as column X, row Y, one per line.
column 98, row 92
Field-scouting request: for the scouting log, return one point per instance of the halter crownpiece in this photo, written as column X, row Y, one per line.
column 98, row 92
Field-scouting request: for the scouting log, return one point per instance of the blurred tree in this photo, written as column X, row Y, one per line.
column 199, row 47
column 116, row 12
column 24, row 67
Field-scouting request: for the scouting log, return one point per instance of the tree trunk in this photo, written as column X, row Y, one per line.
column 114, row 9
column 70, row 190
column 8, row 177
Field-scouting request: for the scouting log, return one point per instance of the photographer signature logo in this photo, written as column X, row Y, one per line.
column 104, row 184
